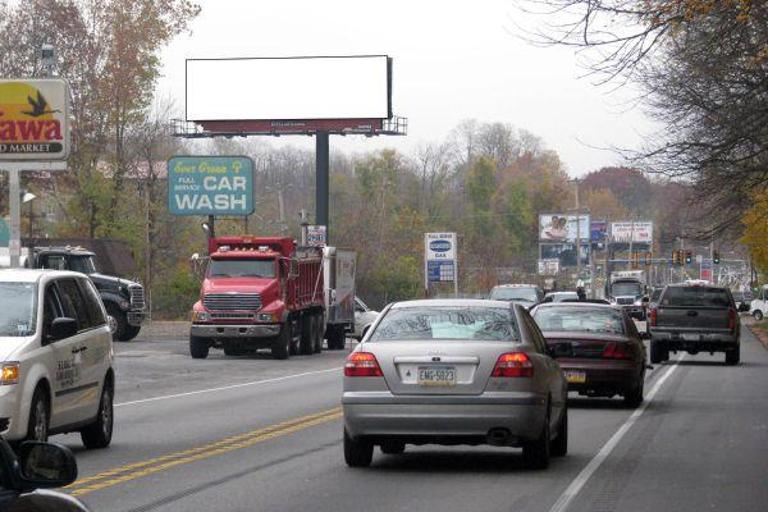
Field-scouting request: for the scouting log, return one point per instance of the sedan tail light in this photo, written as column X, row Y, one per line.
column 362, row 364
column 618, row 351
column 653, row 317
column 513, row 364
column 732, row 318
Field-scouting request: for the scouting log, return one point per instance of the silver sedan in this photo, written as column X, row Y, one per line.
column 454, row 372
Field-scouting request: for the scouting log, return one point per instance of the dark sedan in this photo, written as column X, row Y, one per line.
column 598, row 348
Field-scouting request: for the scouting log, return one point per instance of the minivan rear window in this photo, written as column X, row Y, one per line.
column 696, row 296
column 447, row 323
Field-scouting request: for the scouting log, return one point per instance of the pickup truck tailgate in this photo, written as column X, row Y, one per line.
column 685, row 317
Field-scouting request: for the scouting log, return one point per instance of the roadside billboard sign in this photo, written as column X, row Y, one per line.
column 598, row 231
column 440, row 257
column 210, row 185
column 34, row 120
column 549, row 267
column 557, row 227
column 640, row 231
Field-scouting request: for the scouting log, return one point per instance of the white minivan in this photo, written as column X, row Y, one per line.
column 56, row 358
column 759, row 307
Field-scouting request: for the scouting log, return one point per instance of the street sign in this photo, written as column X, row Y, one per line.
column 34, row 120
column 210, row 185
column 5, row 232
column 440, row 259
column 316, row 236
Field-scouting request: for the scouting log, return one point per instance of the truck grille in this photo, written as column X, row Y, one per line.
column 232, row 301
column 137, row 296
column 233, row 316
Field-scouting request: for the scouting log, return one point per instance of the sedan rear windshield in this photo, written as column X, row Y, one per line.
column 696, row 297
column 516, row 294
column 579, row 319
column 447, row 323
column 242, row 268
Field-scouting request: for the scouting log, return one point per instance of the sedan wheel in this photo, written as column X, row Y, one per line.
column 559, row 446
column 536, row 453
column 357, row 452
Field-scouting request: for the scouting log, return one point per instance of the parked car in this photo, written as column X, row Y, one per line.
column 559, row 297
column 695, row 318
column 742, row 300
column 25, row 478
column 454, row 372
column 364, row 318
column 526, row 294
column 597, row 346
column 56, row 357
column 759, row 305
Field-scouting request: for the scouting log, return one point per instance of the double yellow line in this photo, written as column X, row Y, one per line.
column 128, row 472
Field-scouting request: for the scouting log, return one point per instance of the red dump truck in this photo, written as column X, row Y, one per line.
column 260, row 292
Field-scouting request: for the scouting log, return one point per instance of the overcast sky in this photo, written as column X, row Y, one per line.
column 453, row 60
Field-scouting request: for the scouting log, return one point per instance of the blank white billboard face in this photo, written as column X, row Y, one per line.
column 287, row 88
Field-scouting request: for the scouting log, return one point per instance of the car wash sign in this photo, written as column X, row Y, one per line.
column 210, row 185
column 440, row 257
column 34, row 120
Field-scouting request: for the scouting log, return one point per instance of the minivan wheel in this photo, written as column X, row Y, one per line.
column 37, row 429
column 99, row 433
column 536, row 453
column 357, row 452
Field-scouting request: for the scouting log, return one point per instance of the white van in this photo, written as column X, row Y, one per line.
column 759, row 307
column 56, row 358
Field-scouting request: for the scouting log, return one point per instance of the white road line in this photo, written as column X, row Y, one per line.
column 225, row 388
column 564, row 501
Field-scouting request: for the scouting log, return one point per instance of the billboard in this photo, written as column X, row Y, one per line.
column 564, row 253
column 288, row 88
column 210, row 185
column 549, row 267
column 634, row 231
column 555, row 227
column 34, row 120
column 598, row 231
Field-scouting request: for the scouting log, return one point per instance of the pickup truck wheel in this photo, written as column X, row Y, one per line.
column 130, row 332
column 317, row 332
column 99, row 433
column 281, row 344
column 658, row 353
column 757, row 315
column 198, row 347
column 307, row 338
column 357, row 452
column 119, row 321
column 733, row 356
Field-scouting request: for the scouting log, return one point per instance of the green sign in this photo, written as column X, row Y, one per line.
column 5, row 233
column 210, row 185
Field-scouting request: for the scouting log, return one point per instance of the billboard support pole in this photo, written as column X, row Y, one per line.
column 14, row 191
column 322, row 182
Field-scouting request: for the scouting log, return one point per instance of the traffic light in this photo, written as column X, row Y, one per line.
column 688, row 257
column 716, row 257
column 676, row 260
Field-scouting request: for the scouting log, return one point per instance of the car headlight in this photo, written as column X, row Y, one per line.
column 124, row 304
column 201, row 316
column 267, row 317
column 9, row 374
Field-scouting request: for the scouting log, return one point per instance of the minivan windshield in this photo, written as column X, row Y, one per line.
column 242, row 268
column 447, row 323
column 18, row 309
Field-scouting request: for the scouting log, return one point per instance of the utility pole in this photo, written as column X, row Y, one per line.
column 578, row 231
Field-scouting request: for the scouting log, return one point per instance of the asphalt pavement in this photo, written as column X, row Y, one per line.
column 253, row 434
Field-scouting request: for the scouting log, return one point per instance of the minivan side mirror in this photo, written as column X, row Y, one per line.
column 63, row 327
column 45, row 465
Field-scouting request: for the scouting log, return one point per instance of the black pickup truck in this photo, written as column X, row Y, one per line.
column 695, row 318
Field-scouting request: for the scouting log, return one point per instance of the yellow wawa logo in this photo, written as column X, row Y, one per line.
column 27, row 118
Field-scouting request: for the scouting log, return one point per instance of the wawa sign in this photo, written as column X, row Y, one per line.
column 34, row 120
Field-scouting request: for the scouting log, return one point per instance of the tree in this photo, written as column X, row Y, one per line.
column 755, row 223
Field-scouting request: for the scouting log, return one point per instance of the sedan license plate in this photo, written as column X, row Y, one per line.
column 437, row 376
column 574, row 377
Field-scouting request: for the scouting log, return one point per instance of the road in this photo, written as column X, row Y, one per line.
column 252, row 434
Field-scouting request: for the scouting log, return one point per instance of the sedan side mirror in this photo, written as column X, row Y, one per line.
column 44, row 465
column 63, row 327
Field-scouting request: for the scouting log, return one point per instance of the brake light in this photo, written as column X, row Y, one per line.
column 653, row 317
column 513, row 364
column 617, row 351
column 362, row 364
column 732, row 317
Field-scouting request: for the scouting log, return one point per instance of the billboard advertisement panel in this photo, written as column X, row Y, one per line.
column 210, row 185
column 598, row 231
column 556, row 227
column 288, row 88
column 639, row 231
column 34, row 119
